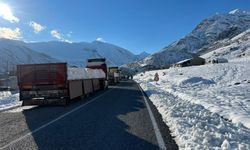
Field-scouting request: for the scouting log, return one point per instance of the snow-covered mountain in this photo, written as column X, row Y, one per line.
column 16, row 52
column 78, row 53
column 142, row 55
column 209, row 35
column 238, row 46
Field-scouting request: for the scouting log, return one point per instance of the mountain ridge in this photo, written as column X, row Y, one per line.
column 77, row 53
column 213, row 29
column 15, row 52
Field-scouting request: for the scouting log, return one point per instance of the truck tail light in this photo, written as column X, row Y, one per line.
column 27, row 86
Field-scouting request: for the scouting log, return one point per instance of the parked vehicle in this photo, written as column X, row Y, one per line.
column 55, row 83
column 113, row 75
column 99, row 63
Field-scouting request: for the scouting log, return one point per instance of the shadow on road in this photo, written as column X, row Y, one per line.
column 114, row 121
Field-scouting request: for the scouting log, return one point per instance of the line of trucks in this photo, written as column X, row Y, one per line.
column 56, row 83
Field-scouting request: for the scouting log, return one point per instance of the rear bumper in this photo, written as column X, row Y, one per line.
column 45, row 94
column 45, row 102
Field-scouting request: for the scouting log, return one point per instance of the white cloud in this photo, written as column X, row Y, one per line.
column 100, row 39
column 6, row 13
column 9, row 33
column 56, row 34
column 36, row 26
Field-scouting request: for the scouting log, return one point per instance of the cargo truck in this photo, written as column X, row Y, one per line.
column 113, row 75
column 99, row 63
column 55, row 83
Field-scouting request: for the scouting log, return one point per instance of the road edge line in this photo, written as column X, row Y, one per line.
column 10, row 108
column 53, row 121
column 158, row 135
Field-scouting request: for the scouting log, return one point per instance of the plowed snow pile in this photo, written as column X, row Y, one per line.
column 206, row 107
column 9, row 99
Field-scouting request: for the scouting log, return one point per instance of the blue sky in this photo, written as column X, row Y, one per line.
column 137, row 25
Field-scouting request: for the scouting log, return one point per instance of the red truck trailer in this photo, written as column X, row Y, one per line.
column 99, row 63
column 52, row 83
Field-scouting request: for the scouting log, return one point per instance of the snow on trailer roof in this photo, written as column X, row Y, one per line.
column 36, row 64
column 96, row 73
column 85, row 73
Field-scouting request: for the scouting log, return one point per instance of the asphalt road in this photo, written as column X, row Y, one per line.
column 115, row 119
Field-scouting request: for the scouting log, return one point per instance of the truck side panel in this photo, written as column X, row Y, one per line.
column 75, row 88
column 96, row 84
column 88, row 86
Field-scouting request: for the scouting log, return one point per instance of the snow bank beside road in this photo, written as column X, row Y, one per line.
column 8, row 99
column 193, row 126
column 211, row 99
column 220, row 88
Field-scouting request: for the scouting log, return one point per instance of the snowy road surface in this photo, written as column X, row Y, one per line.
column 114, row 119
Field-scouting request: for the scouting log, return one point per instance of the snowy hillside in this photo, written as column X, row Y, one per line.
column 78, row 53
column 142, row 55
column 16, row 52
column 210, row 34
column 206, row 107
column 238, row 46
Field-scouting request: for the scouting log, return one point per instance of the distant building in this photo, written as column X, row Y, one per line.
column 217, row 60
column 166, row 66
column 196, row 61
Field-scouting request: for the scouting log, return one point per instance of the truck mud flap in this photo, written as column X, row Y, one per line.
column 60, row 102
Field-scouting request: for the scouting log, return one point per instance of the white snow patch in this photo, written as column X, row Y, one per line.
column 204, row 106
column 225, row 145
column 85, row 73
column 234, row 11
column 8, row 100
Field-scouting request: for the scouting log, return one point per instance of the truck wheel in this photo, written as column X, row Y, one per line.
column 65, row 101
